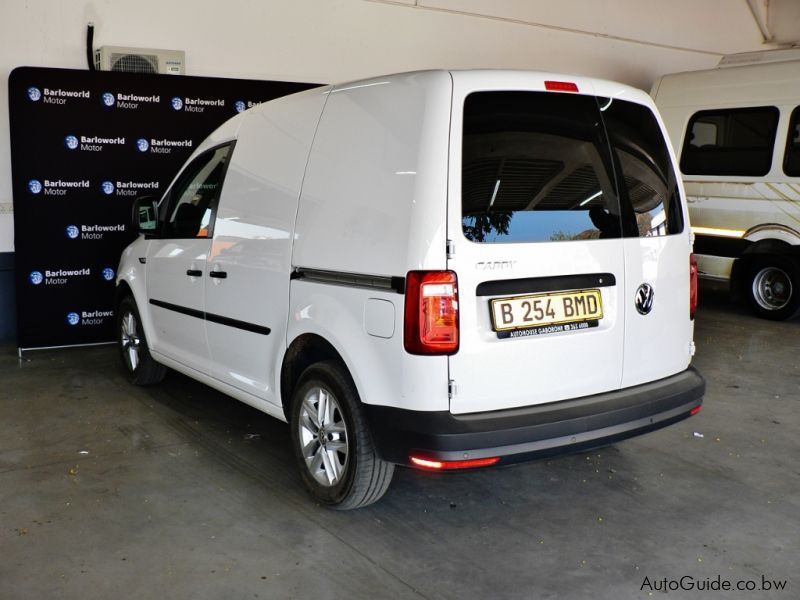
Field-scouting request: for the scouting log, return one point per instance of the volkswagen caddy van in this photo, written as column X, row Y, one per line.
column 440, row 270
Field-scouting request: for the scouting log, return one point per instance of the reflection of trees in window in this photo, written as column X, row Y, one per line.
column 478, row 227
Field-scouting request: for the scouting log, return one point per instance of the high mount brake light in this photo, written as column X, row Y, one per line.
column 431, row 313
column 560, row 86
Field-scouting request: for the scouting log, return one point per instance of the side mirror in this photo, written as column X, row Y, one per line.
column 145, row 214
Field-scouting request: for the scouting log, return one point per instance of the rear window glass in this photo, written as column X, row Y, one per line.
column 539, row 166
column 737, row 141
column 791, row 160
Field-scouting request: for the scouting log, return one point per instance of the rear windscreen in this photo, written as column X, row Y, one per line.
column 543, row 166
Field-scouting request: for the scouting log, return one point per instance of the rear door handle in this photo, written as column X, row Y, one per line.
column 194, row 273
column 218, row 274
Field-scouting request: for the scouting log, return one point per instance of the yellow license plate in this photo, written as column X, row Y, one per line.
column 538, row 310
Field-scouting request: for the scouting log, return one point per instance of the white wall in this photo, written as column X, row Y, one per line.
column 632, row 41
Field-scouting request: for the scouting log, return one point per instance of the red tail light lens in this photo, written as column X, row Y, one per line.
column 692, row 285
column 560, row 86
column 431, row 313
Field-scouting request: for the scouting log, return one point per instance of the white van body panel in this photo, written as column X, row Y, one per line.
column 253, row 242
column 374, row 203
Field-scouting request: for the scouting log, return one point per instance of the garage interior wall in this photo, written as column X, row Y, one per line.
column 632, row 41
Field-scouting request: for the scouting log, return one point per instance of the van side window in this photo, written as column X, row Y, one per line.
column 647, row 181
column 735, row 141
column 191, row 204
column 791, row 159
column 536, row 168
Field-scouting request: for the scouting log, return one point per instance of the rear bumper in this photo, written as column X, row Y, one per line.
column 536, row 431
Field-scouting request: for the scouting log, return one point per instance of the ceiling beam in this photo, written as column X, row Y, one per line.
column 759, row 9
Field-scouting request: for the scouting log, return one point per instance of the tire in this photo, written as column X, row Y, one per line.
column 133, row 348
column 338, row 461
column 772, row 287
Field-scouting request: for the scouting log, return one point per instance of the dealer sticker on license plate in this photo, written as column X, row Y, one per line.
column 546, row 313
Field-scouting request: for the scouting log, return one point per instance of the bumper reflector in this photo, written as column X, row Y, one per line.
column 694, row 411
column 447, row 465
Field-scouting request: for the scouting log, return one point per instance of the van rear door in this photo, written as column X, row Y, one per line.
column 658, row 328
column 535, row 226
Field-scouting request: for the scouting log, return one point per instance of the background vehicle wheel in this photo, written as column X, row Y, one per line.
column 332, row 443
column 134, row 351
column 773, row 287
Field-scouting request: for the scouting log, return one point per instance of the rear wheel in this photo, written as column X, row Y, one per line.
column 134, row 351
column 773, row 287
column 332, row 442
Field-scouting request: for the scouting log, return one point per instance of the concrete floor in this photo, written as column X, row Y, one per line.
column 177, row 491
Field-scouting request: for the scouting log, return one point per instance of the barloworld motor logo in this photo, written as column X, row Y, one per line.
column 89, row 317
column 34, row 94
column 56, row 187
column 240, row 106
column 107, row 187
column 108, row 274
column 92, row 232
column 108, row 99
column 57, row 276
column 35, row 186
column 176, row 103
column 161, row 146
column 71, row 142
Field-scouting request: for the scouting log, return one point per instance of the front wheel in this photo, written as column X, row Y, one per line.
column 773, row 287
column 332, row 442
column 133, row 348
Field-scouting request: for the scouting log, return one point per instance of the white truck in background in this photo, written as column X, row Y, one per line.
column 736, row 131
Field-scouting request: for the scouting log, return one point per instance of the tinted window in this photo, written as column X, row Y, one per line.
column 192, row 201
column 536, row 167
column 791, row 160
column 730, row 142
column 647, row 182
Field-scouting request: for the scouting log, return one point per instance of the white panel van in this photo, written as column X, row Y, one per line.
column 737, row 131
column 441, row 270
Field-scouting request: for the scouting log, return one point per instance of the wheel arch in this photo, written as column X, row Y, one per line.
column 305, row 350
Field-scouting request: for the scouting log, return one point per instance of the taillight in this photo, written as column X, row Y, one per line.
column 431, row 314
column 560, row 86
column 692, row 285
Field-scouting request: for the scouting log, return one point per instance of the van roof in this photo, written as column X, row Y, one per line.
column 770, row 83
column 513, row 79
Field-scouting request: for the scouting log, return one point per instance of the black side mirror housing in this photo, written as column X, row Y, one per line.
column 145, row 215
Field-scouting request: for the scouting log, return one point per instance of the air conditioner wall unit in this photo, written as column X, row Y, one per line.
column 140, row 60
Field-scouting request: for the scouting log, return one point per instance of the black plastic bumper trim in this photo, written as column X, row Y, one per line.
column 547, row 429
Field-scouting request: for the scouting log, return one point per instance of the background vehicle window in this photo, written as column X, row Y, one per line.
column 192, row 202
column 791, row 159
column 647, row 182
column 737, row 141
column 536, row 167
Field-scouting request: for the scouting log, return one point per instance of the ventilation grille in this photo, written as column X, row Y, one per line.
column 134, row 63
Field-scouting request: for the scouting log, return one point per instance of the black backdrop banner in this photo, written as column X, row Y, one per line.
column 84, row 145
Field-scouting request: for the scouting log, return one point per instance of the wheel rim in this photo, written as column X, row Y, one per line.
column 323, row 436
column 130, row 340
column 772, row 288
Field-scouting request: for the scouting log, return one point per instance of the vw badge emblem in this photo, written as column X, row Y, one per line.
column 644, row 298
